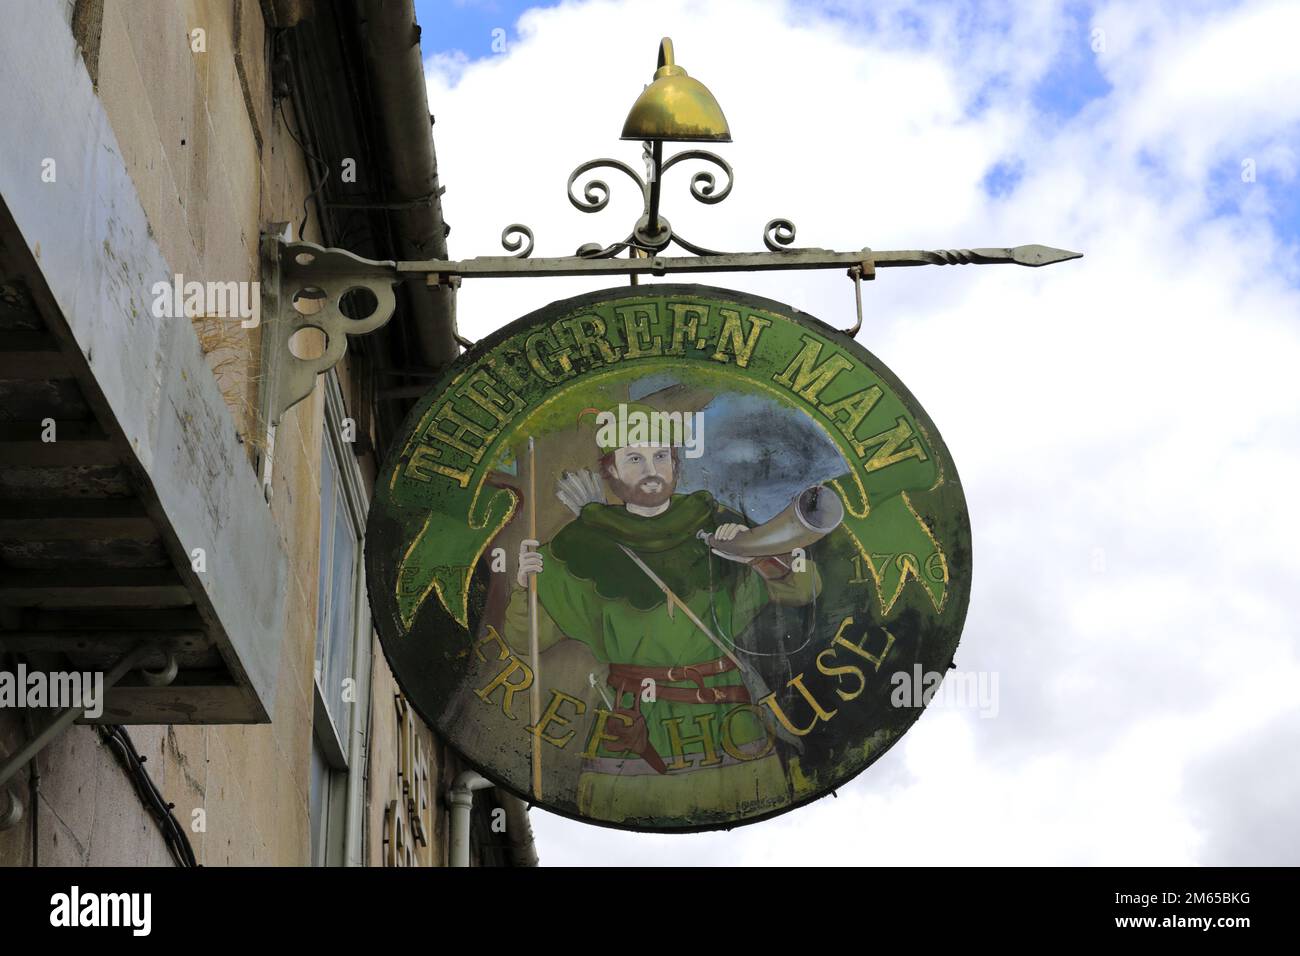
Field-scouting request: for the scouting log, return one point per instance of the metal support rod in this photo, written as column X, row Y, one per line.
column 303, row 272
column 855, row 274
column 66, row 716
column 656, row 163
column 505, row 267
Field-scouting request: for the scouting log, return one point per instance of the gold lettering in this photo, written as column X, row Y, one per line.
column 588, row 333
column 687, row 320
column 505, row 367
column 482, row 390
column 840, row 671
column 637, row 320
column 466, row 435
column 537, row 359
column 398, row 852
column 598, row 730
column 732, row 338
column 503, row 649
column 857, row 648
column 729, row 739
column 818, row 713
column 884, row 447
column 510, row 688
column 552, row 716
column 805, row 377
column 678, row 743
column 858, row 406
column 424, row 465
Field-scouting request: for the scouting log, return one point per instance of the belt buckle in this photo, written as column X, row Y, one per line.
column 718, row 693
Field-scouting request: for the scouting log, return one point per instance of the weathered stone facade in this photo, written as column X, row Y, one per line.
column 213, row 164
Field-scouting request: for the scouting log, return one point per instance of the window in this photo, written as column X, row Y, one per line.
column 342, row 667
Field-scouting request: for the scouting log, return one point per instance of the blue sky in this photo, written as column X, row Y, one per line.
column 477, row 29
column 1125, row 425
column 467, row 26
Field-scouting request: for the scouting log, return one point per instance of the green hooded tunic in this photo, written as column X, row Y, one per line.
column 591, row 591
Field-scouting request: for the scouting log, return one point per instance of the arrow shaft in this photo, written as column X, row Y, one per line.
column 534, row 692
column 672, row 598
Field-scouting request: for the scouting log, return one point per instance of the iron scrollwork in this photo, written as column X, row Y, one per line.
column 652, row 233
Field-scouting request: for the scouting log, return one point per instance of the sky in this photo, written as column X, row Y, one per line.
column 1126, row 425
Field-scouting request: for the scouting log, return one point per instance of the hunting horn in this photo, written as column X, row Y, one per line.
column 812, row 515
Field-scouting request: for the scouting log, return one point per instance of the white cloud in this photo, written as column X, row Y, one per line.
column 449, row 66
column 1138, row 404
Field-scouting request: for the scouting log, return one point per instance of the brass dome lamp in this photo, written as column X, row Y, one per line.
column 675, row 107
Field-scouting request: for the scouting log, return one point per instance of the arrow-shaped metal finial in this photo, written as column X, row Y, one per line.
column 1036, row 255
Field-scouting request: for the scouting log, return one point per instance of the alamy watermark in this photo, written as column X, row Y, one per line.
column 224, row 300
column 656, row 429
column 53, row 689
column 972, row 690
column 75, row 908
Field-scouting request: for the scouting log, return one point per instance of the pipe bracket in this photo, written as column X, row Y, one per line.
column 13, row 815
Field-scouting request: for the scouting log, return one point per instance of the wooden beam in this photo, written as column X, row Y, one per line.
column 188, row 703
column 63, row 431
column 65, row 453
column 128, row 621
column 75, row 443
column 34, row 366
column 30, row 340
column 108, row 587
column 67, row 642
column 40, row 520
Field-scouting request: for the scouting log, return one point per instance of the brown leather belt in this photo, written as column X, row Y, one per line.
column 628, row 678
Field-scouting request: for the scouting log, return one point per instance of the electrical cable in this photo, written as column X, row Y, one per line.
column 319, row 186
column 174, row 835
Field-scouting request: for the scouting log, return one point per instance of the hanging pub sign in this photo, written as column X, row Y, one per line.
column 661, row 557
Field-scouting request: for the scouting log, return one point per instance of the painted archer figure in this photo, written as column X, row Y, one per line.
column 636, row 583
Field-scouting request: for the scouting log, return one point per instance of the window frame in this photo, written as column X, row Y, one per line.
column 338, row 835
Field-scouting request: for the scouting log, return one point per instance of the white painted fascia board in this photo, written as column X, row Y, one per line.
column 89, row 233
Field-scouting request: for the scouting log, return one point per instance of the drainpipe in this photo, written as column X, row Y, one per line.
column 392, row 51
column 519, row 832
column 461, row 798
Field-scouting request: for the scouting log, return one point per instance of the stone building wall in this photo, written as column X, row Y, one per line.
column 212, row 163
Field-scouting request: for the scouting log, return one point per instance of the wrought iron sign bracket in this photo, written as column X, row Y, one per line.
column 309, row 287
column 306, row 286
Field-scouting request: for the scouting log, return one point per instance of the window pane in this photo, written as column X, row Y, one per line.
column 320, row 778
column 342, row 626
column 328, row 482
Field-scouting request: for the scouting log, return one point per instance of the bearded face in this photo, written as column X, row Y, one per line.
column 642, row 475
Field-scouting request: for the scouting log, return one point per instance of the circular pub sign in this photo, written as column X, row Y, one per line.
column 669, row 557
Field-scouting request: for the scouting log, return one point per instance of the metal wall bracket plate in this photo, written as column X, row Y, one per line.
column 305, row 286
